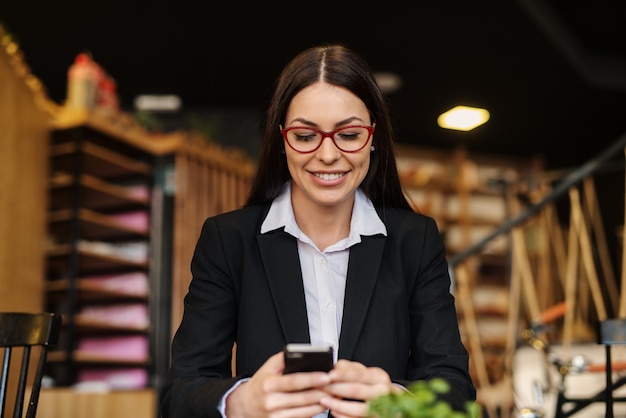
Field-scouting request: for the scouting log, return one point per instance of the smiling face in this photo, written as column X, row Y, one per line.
column 326, row 177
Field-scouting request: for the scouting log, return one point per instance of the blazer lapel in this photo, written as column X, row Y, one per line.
column 363, row 267
column 279, row 254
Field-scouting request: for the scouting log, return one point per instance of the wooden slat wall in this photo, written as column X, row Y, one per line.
column 23, row 183
column 209, row 181
column 24, row 127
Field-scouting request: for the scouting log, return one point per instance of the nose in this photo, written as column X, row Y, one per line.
column 328, row 151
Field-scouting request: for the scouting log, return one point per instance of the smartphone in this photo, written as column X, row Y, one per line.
column 308, row 358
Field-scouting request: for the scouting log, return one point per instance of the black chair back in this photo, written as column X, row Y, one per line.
column 25, row 330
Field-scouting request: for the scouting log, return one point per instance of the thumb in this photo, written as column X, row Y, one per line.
column 275, row 364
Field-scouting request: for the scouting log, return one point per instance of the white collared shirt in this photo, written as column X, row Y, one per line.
column 324, row 271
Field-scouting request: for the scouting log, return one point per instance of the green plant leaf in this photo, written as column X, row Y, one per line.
column 420, row 401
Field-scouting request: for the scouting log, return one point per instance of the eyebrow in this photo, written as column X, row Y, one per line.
column 340, row 123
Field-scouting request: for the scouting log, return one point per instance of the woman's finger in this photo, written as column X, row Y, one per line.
column 341, row 408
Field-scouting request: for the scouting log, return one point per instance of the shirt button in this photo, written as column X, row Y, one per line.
column 329, row 304
column 323, row 262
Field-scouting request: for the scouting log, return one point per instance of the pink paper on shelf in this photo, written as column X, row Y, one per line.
column 133, row 283
column 132, row 347
column 138, row 191
column 132, row 378
column 133, row 315
column 137, row 220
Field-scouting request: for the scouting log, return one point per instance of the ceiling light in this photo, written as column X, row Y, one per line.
column 158, row 103
column 463, row 118
column 388, row 82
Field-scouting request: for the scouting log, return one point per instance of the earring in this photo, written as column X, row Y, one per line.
column 372, row 148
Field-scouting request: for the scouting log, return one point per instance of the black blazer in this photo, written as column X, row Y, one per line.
column 247, row 288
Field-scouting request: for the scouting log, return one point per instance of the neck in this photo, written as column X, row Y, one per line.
column 325, row 225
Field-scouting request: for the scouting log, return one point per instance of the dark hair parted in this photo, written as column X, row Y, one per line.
column 337, row 65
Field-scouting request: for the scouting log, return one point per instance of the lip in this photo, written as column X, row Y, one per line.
column 328, row 178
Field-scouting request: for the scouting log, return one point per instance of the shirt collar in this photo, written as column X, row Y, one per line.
column 365, row 219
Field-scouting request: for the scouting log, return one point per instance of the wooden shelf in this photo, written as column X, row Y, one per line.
column 101, row 226
column 102, row 325
column 91, row 291
column 97, row 160
column 76, row 403
column 88, row 358
column 91, row 260
column 95, row 194
column 93, row 225
column 118, row 126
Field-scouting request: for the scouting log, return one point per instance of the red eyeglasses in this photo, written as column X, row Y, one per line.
column 305, row 139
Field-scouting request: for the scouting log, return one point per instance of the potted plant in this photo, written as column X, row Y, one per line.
column 421, row 400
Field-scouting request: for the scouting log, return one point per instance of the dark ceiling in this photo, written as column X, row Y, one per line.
column 551, row 72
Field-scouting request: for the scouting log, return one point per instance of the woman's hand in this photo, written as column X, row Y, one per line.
column 269, row 393
column 352, row 386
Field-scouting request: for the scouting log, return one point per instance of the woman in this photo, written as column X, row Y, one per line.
column 327, row 250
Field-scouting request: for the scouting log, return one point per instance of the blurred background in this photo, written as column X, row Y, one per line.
column 85, row 183
column 552, row 73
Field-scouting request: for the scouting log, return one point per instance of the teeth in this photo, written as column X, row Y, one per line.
column 327, row 176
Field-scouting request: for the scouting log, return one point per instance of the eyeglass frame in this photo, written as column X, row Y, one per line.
column 331, row 135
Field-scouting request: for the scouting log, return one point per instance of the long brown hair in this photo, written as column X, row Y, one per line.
column 338, row 65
